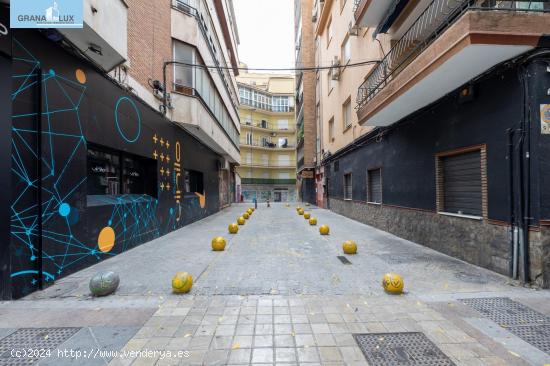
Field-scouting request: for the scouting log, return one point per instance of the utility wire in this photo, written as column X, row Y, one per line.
column 305, row 68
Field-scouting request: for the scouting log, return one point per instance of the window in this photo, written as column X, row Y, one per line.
column 346, row 50
column 249, row 138
column 374, row 185
column 329, row 31
column 183, row 75
column 336, row 165
column 460, row 183
column 284, row 175
column 113, row 172
column 194, row 181
column 347, row 187
column 284, row 160
column 249, row 158
column 330, row 84
column 331, row 129
column 346, row 113
column 283, row 142
column 282, row 124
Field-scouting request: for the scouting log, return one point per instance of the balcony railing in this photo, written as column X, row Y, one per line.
column 255, row 163
column 271, row 108
column 266, row 126
column 267, row 181
column 434, row 20
column 268, row 144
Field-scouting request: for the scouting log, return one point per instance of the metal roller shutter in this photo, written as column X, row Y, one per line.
column 462, row 184
column 375, row 186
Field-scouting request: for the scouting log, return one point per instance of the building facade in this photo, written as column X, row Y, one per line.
column 305, row 101
column 268, row 137
column 117, row 135
column 447, row 141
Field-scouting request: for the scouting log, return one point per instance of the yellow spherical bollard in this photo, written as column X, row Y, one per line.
column 233, row 228
column 307, row 215
column 298, row 208
column 252, row 209
column 218, row 244
column 313, row 221
column 393, row 283
column 350, row 247
column 249, row 211
column 246, row 215
column 241, row 220
column 182, row 283
column 301, row 211
column 324, row 229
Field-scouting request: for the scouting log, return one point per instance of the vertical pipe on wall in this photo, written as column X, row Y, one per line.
column 39, row 173
column 512, row 220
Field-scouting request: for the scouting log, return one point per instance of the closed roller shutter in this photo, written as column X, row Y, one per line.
column 462, row 184
column 375, row 186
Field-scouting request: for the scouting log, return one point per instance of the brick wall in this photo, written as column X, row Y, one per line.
column 149, row 39
column 308, row 59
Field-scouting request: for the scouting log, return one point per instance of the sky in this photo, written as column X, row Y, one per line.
column 266, row 32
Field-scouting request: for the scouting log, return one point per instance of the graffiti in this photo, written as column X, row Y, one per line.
column 3, row 30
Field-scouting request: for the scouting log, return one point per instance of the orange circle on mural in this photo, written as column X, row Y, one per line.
column 106, row 239
column 80, row 76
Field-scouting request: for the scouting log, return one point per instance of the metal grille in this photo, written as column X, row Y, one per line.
column 390, row 349
column 536, row 335
column 526, row 323
column 32, row 339
column 343, row 259
column 506, row 312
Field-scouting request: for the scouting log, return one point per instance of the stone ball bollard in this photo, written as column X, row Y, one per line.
column 104, row 283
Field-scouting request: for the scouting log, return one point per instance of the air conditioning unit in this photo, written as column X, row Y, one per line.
column 335, row 70
column 353, row 30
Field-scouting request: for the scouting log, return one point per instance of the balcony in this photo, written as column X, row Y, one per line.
column 269, row 164
column 104, row 37
column 267, row 181
column 267, row 107
column 370, row 13
column 267, row 126
column 449, row 44
column 266, row 145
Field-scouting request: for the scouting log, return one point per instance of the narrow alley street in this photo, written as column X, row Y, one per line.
column 279, row 294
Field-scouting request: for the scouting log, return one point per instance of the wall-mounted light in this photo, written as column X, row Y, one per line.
column 94, row 10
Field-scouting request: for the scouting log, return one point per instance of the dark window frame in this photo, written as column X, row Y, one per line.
column 370, row 199
column 345, row 186
column 440, row 181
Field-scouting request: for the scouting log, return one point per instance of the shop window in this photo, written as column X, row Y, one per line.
column 374, row 186
column 348, row 194
column 194, row 181
column 113, row 172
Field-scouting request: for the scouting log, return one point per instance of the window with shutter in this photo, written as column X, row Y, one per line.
column 374, row 186
column 462, row 184
column 348, row 187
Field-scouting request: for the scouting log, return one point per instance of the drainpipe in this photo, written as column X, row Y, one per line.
column 512, row 219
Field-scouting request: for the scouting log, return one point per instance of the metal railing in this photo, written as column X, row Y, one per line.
column 267, row 126
column 267, row 107
column 258, row 163
column 267, row 181
column 356, row 4
column 434, row 20
column 267, row 144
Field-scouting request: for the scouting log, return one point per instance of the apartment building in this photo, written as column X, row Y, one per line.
column 447, row 142
column 268, row 137
column 305, row 101
column 119, row 134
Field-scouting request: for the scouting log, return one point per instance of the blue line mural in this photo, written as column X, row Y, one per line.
column 80, row 106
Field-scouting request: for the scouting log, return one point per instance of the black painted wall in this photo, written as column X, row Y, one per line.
column 407, row 152
column 5, row 151
column 81, row 106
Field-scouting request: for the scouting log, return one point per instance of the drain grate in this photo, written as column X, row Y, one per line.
column 390, row 349
column 32, row 339
column 343, row 259
column 506, row 312
column 522, row 321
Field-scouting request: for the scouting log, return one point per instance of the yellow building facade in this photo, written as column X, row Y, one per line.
column 268, row 137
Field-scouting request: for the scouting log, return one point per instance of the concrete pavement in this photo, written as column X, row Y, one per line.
column 278, row 295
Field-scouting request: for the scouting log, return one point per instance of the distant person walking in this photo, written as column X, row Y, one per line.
column 268, row 203
column 255, row 203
